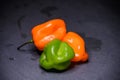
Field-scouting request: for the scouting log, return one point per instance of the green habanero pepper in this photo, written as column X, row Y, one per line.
column 56, row 55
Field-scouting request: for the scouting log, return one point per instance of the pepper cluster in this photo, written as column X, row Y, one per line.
column 60, row 47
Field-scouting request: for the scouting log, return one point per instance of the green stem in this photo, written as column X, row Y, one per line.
column 18, row 48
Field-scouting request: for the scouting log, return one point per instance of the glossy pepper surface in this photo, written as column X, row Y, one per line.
column 44, row 33
column 78, row 45
column 56, row 55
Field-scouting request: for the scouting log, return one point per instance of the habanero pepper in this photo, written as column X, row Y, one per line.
column 78, row 45
column 45, row 32
column 56, row 55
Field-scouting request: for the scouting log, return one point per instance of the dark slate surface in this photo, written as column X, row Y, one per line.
column 97, row 21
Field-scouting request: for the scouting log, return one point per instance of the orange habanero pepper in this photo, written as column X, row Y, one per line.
column 45, row 32
column 78, row 45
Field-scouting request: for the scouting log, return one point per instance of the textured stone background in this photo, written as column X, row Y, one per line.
column 97, row 21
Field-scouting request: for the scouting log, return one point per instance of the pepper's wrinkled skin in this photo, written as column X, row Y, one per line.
column 78, row 45
column 44, row 33
column 56, row 55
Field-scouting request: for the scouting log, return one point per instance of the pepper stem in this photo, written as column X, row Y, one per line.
column 18, row 48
